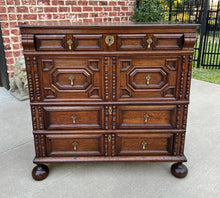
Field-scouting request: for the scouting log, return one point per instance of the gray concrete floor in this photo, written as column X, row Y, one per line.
column 120, row 180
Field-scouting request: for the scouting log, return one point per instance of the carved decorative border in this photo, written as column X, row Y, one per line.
column 106, row 78
column 113, row 145
column 113, row 78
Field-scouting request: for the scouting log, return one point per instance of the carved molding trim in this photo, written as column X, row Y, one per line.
column 43, row 147
column 34, row 118
column 106, row 78
column 106, row 145
column 182, row 76
column 185, row 110
column 29, row 77
column 113, row 145
column 113, row 78
column 106, row 117
column 40, row 118
column 176, row 140
column 189, row 77
column 113, row 117
column 36, row 79
column 178, row 116
column 189, row 40
column 182, row 142
column 37, row 145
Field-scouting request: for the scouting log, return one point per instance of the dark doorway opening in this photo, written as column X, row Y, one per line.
column 4, row 81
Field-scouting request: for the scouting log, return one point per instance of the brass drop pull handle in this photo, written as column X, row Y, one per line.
column 110, row 110
column 71, row 78
column 75, row 145
column 146, row 116
column 149, row 42
column 148, row 79
column 109, row 40
column 109, row 138
column 70, row 42
column 74, row 119
column 144, row 143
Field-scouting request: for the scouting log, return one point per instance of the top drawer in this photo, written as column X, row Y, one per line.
column 109, row 42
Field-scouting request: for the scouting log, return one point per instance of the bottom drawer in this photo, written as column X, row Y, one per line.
column 144, row 144
column 74, row 145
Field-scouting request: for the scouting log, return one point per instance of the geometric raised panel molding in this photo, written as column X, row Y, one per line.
column 47, row 64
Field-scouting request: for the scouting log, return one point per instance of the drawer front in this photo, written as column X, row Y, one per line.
column 145, row 117
column 147, row 78
column 74, row 145
column 71, row 78
column 99, row 42
column 74, row 118
column 144, row 144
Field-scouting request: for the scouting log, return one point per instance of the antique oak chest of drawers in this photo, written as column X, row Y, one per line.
column 108, row 92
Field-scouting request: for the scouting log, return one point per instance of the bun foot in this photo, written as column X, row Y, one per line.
column 40, row 172
column 179, row 170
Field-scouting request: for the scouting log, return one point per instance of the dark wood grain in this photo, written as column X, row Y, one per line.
column 109, row 92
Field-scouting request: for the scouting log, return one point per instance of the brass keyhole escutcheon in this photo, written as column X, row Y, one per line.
column 148, row 79
column 74, row 119
column 75, row 145
column 144, row 143
column 149, row 42
column 146, row 116
column 110, row 110
column 109, row 138
column 70, row 42
column 71, row 78
column 109, row 40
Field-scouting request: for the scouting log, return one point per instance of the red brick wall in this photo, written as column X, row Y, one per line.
column 14, row 12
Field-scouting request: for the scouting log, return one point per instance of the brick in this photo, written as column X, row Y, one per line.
column 97, row 19
column 94, row 15
column 15, row 31
column 124, row 8
column 83, row 15
column 11, row 9
column 121, row 3
column 70, row 2
column 6, row 40
column 7, row 46
column 103, row 14
column 98, row 9
column 113, row 14
column 17, row 53
column 5, row 32
column 36, row 9
column 2, row 2
column 112, row 3
column 3, row 10
column 4, row 25
column 58, row 16
column 10, row 2
column 8, row 54
column 17, row 2
column 76, row 9
column 103, row 3
column 107, row 8
column 45, row 16
column 15, row 39
column 19, row 17
column 93, row 3
column 43, row 2
column 107, row 19
column 22, row 9
column 30, row 16
column 87, row 20
column 13, row 24
column 12, row 17
column 50, row 9
column 3, row 17
column 116, row 19
column 16, row 46
column 82, row 3
column 64, row 9
column 60, row 3
column 10, row 61
column 116, row 8
column 87, row 9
